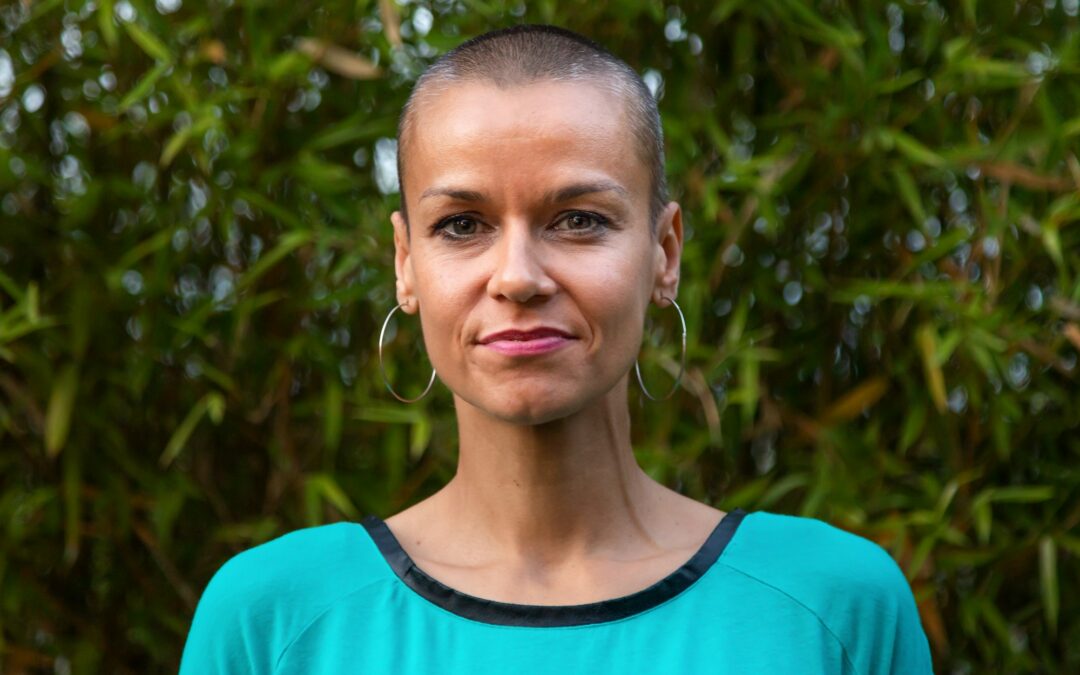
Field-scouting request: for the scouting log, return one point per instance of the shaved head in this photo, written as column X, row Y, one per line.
column 523, row 55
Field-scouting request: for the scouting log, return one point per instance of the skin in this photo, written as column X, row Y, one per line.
column 528, row 207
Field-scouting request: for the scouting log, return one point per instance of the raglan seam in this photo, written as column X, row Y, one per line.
column 800, row 603
column 320, row 614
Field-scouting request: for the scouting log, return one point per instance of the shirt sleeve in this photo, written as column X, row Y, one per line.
column 851, row 584
column 910, row 650
column 876, row 618
column 229, row 631
column 261, row 599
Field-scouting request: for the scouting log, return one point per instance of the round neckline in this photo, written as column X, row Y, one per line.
column 512, row 614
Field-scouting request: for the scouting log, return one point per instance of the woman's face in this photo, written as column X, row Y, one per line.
column 529, row 253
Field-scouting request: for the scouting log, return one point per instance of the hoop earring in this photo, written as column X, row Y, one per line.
column 382, row 369
column 682, row 363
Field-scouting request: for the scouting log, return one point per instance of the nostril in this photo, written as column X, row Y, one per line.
column 520, row 271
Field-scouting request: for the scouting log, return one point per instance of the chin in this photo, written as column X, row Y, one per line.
column 530, row 403
column 525, row 416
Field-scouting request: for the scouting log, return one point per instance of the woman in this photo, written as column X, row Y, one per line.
column 534, row 233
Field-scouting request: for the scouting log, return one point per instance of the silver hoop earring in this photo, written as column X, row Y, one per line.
column 382, row 370
column 682, row 363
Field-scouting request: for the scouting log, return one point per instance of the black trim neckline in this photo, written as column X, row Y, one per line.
column 511, row 614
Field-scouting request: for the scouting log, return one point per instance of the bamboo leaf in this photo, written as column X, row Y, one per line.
column 352, row 130
column 1070, row 544
column 984, row 519
column 1072, row 332
column 993, row 619
column 853, row 403
column 905, row 80
column 374, row 413
column 40, row 9
column 183, row 432
column 1071, row 128
column 750, row 492
column 391, row 19
column 916, row 151
column 339, row 60
column 969, row 11
column 8, row 284
column 1001, row 432
column 33, row 312
column 333, row 406
column 929, row 291
column 941, row 248
column 284, row 215
column 749, row 393
column 143, row 87
column 926, row 338
column 288, row 67
column 1048, row 582
column 947, row 345
column 174, row 145
column 337, row 497
column 323, row 176
column 106, row 23
column 215, row 407
column 420, row 436
column 921, row 555
column 1026, row 494
column 914, row 422
column 286, row 245
column 248, row 534
column 14, row 331
column 312, row 502
column 1051, row 240
column 61, row 404
column 946, row 497
column 151, row 244
column 148, row 42
column 905, row 184
column 323, row 486
column 72, row 486
column 782, row 488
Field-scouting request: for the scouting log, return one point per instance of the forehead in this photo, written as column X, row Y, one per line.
column 545, row 131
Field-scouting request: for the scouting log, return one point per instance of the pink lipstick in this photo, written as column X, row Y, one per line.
column 526, row 342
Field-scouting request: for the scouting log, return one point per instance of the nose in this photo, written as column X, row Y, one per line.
column 519, row 273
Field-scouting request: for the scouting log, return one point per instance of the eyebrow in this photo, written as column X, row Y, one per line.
column 453, row 193
column 579, row 189
column 552, row 197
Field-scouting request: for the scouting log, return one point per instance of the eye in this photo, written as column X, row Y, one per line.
column 580, row 221
column 458, row 226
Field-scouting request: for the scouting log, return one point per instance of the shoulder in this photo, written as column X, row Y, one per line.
column 812, row 553
column 851, row 584
column 302, row 569
column 259, row 599
column 308, row 560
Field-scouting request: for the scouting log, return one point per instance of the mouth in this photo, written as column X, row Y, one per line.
column 526, row 342
column 524, row 335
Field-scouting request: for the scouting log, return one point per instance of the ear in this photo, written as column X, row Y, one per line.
column 403, row 269
column 669, row 241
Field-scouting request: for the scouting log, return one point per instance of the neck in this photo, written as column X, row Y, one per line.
column 554, row 491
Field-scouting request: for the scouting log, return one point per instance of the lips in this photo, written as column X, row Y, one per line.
column 525, row 335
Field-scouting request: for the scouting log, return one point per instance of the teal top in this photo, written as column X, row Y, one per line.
column 766, row 593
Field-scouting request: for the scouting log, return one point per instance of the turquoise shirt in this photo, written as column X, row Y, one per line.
column 766, row 593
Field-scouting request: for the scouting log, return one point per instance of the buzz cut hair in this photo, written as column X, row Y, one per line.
column 532, row 53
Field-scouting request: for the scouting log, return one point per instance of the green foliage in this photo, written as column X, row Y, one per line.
column 881, row 282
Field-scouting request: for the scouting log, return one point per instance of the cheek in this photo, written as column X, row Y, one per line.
column 445, row 293
column 613, row 293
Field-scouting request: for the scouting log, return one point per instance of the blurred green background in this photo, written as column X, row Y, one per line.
column 880, row 278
